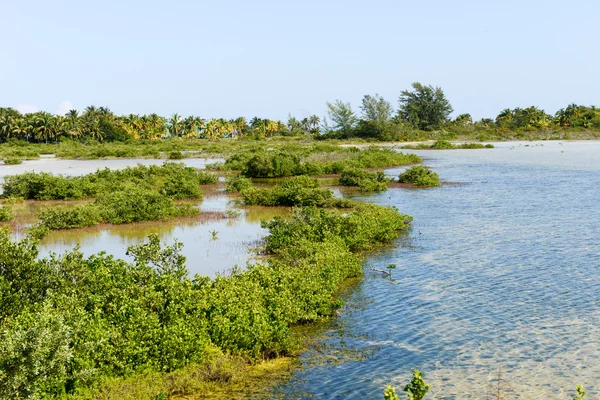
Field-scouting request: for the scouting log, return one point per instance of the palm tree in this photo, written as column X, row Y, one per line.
column 190, row 127
column 91, row 110
column 239, row 125
column 6, row 123
column 175, row 126
column 313, row 122
column 43, row 127
column 157, row 126
column 21, row 128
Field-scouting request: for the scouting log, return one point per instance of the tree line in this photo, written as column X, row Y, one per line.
column 422, row 108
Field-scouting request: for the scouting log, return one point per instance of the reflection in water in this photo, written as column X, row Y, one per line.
column 235, row 238
column 501, row 273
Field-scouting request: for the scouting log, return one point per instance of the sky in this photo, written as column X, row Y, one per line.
column 272, row 58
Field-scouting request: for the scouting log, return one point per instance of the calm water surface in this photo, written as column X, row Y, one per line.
column 501, row 273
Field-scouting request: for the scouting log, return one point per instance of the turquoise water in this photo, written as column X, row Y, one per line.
column 500, row 273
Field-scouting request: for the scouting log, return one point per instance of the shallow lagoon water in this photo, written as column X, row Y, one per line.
column 501, row 273
column 206, row 255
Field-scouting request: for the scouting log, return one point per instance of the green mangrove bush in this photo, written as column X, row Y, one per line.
column 132, row 204
column 365, row 180
column 296, row 191
column 71, row 324
column 175, row 180
column 420, row 175
column 318, row 161
column 238, row 183
column 12, row 160
column 5, row 213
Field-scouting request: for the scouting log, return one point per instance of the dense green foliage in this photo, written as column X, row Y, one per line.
column 132, row 204
column 70, row 322
column 176, row 155
column 238, row 183
column 420, row 175
column 174, row 180
column 365, row 180
column 296, row 191
column 78, row 217
column 318, row 161
column 100, row 124
column 425, row 107
column 423, row 114
column 5, row 213
column 366, row 226
column 12, row 160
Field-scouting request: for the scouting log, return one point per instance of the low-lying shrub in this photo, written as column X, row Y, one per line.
column 443, row 145
column 175, row 180
column 365, row 180
column 78, row 217
column 12, row 161
column 420, row 175
column 238, row 183
column 70, row 324
column 280, row 163
column 176, row 155
column 296, row 191
column 135, row 205
column 5, row 213
column 132, row 204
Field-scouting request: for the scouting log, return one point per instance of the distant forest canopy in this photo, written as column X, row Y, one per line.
column 422, row 108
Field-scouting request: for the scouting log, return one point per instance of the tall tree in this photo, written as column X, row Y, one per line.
column 425, row 107
column 377, row 110
column 343, row 117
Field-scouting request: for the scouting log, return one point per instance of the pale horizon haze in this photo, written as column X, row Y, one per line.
column 274, row 58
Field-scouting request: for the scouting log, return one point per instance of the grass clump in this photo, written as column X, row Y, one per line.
column 420, row 175
column 296, row 191
column 365, row 180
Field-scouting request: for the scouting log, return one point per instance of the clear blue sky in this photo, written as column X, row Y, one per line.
column 226, row 58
